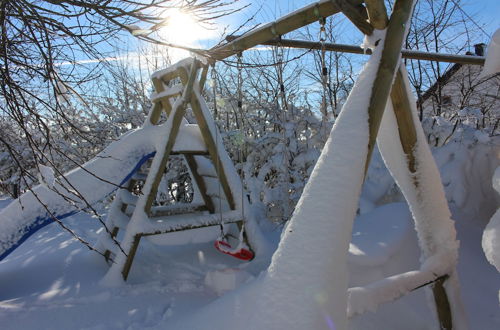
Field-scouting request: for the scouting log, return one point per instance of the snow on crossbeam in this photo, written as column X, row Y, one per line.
column 369, row 297
column 172, row 70
column 155, row 226
column 189, row 140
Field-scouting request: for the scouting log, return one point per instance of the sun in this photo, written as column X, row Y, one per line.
column 183, row 29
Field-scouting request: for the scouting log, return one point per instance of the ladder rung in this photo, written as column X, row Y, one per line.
column 171, row 72
column 188, row 221
column 173, row 91
column 190, row 152
column 212, row 176
column 139, row 176
column 171, row 211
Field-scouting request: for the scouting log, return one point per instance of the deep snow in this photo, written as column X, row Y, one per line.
column 51, row 281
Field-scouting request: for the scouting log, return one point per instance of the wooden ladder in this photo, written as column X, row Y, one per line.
column 214, row 177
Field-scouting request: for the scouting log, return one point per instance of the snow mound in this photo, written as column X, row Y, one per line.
column 492, row 63
column 46, row 176
column 491, row 235
column 75, row 191
column 225, row 280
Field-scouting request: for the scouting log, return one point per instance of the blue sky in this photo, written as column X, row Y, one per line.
column 483, row 12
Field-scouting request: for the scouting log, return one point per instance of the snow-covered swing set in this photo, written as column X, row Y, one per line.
column 388, row 80
column 383, row 85
column 379, row 99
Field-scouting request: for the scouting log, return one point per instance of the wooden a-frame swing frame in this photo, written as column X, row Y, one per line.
column 163, row 101
column 389, row 83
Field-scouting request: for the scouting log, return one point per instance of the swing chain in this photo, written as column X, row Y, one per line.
column 279, row 60
column 214, row 87
column 324, row 69
column 240, row 107
column 284, row 108
column 217, row 166
column 239, row 68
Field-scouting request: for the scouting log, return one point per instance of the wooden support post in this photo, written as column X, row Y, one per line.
column 406, row 126
column 377, row 14
column 212, row 148
column 203, row 77
column 158, row 105
column 387, row 68
column 408, row 137
column 130, row 256
column 155, row 113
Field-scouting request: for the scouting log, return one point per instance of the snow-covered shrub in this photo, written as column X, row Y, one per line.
column 275, row 155
column 69, row 137
column 466, row 157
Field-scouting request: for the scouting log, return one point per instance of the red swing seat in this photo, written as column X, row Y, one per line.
column 241, row 253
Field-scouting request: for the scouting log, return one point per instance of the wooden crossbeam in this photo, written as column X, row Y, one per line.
column 356, row 14
column 285, row 24
column 159, row 212
column 377, row 13
column 352, row 49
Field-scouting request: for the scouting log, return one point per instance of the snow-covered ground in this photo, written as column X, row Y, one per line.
column 52, row 281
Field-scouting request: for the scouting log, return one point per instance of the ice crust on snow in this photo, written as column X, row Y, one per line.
column 491, row 235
